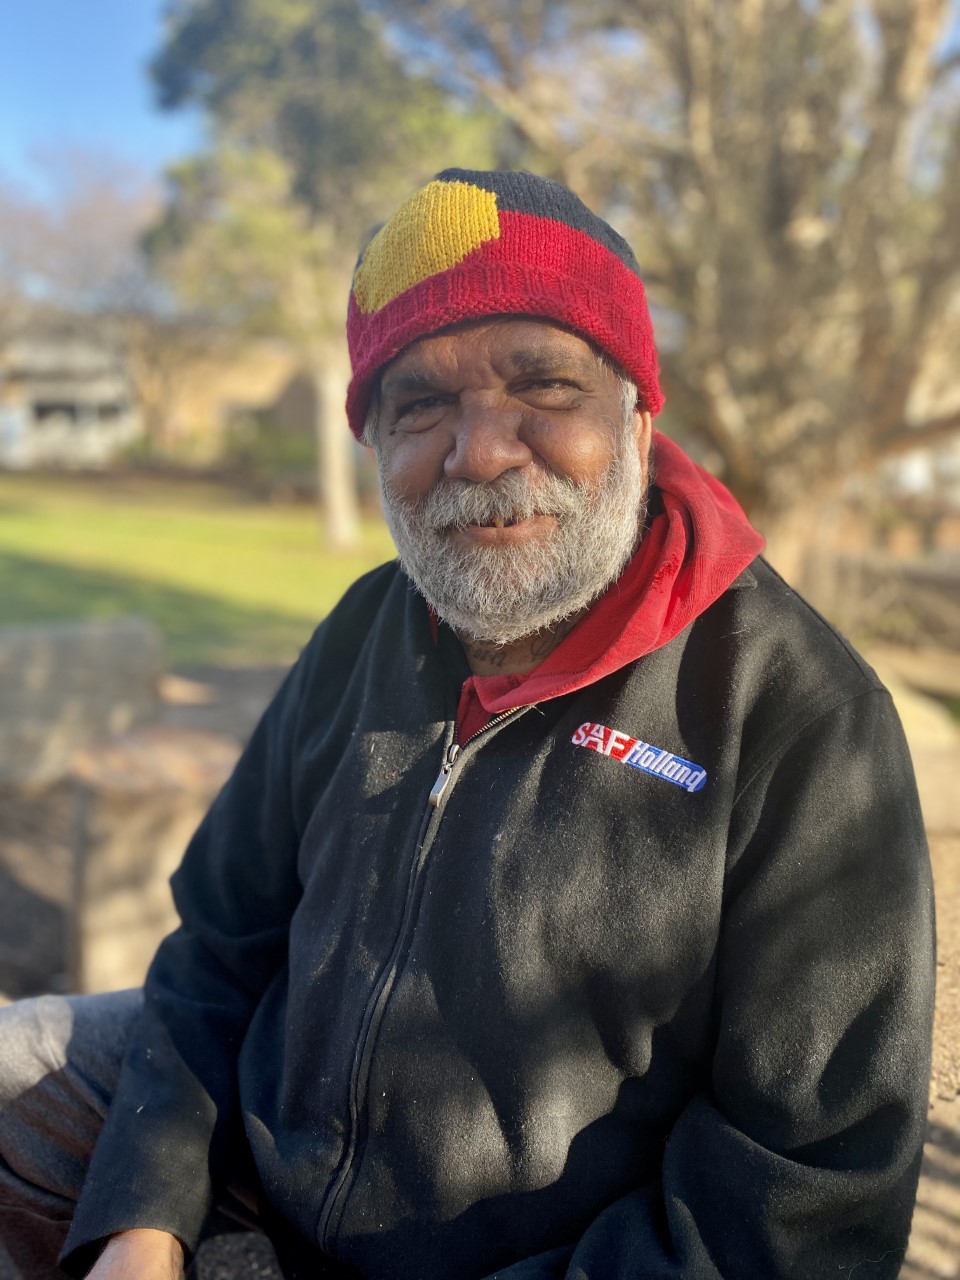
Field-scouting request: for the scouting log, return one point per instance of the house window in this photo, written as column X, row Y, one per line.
column 54, row 409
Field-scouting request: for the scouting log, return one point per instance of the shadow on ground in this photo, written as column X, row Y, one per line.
column 934, row 1252
column 35, row 888
column 210, row 630
column 31, row 942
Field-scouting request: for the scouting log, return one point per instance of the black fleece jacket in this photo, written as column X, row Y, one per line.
column 588, row 1016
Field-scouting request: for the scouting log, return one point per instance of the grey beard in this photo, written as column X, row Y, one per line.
column 501, row 594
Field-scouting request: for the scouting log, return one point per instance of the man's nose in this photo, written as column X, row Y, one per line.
column 487, row 443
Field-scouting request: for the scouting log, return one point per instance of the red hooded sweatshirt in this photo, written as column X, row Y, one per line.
column 693, row 549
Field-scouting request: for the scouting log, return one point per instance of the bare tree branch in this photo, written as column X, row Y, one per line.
column 946, row 67
column 919, row 435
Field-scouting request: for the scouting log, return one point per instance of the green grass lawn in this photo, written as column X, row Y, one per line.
column 227, row 580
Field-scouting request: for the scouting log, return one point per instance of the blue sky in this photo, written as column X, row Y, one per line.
column 73, row 74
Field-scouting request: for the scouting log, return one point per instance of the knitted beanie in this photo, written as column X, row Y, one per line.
column 472, row 244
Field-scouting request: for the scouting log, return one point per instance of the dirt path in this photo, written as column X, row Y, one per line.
column 935, row 1242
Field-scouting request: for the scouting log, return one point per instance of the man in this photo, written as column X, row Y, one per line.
column 568, row 916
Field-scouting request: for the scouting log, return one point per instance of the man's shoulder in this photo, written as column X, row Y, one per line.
column 357, row 613
column 364, row 598
column 759, row 671
column 771, row 655
column 794, row 631
column 370, row 618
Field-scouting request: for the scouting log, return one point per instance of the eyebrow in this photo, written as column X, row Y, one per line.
column 543, row 362
column 409, row 382
column 546, row 361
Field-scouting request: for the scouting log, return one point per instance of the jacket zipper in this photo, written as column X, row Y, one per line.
column 376, row 1007
column 454, row 749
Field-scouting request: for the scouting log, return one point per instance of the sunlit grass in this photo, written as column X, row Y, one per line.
column 226, row 579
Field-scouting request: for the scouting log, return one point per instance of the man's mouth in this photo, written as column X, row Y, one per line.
column 497, row 530
column 489, row 522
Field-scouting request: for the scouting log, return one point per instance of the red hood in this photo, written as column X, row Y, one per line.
column 693, row 550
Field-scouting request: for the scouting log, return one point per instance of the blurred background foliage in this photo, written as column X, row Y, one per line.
column 786, row 169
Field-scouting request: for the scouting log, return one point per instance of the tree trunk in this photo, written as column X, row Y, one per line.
column 795, row 536
column 336, row 457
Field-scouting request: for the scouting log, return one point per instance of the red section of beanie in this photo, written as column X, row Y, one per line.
column 536, row 267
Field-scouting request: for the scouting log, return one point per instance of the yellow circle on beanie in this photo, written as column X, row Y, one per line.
column 431, row 232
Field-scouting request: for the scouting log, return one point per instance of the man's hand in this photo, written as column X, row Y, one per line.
column 143, row 1254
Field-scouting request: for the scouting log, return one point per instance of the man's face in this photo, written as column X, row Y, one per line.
column 513, row 473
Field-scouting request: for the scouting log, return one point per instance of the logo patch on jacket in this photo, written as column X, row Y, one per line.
column 640, row 755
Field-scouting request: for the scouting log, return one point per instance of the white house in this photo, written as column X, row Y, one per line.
column 64, row 401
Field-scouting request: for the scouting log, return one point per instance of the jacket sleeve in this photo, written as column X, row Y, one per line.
column 801, row 1159
column 169, row 1132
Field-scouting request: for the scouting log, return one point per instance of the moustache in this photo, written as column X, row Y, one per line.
column 456, row 504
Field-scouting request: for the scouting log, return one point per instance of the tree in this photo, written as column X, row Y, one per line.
column 158, row 344
column 317, row 129
column 236, row 248
column 72, row 242
column 787, row 170
column 72, row 253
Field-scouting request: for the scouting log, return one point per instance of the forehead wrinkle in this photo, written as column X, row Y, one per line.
column 410, row 379
column 551, row 358
column 545, row 355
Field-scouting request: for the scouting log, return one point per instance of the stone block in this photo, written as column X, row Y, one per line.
column 65, row 684
column 139, row 798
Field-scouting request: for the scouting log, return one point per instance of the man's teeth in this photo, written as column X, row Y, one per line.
column 499, row 522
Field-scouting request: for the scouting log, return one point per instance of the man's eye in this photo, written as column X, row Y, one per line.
column 422, row 404
column 549, row 389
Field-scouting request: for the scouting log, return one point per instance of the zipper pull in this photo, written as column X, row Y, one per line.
column 443, row 777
